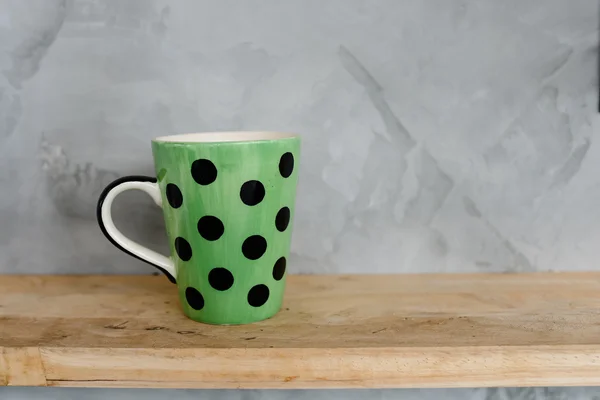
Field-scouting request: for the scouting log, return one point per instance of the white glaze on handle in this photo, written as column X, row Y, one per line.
column 127, row 244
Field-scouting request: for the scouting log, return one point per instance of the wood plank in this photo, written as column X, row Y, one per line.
column 21, row 367
column 459, row 330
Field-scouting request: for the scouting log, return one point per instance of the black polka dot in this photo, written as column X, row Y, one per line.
column 174, row 196
column 194, row 298
column 210, row 228
column 282, row 219
column 279, row 269
column 220, row 278
column 254, row 247
column 286, row 164
column 258, row 295
column 204, row 171
column 252, row 193
column 183, row 249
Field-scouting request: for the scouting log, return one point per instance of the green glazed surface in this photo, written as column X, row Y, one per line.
column 185, row 202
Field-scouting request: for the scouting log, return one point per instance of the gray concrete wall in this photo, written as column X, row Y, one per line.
column 447, row 136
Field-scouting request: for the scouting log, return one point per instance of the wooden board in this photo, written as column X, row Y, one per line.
column 346, row 331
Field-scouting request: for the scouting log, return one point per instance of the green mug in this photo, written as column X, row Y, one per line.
column 228, row 202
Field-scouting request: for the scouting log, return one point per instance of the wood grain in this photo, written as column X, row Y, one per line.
column 459, row 330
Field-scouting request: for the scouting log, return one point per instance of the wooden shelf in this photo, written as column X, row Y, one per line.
column 333, row 332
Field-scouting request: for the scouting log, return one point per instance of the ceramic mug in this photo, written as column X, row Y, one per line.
column 228, row 202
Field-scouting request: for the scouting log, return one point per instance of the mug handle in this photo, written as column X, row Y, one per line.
column 103, row 213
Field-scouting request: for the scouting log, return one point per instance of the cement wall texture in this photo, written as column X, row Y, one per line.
column 438, row 136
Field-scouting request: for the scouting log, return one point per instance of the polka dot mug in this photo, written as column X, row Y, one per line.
column 228, row 201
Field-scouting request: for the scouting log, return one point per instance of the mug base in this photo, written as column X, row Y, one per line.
column 242, row 321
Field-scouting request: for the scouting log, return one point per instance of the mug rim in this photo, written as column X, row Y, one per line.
column 225, row 137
